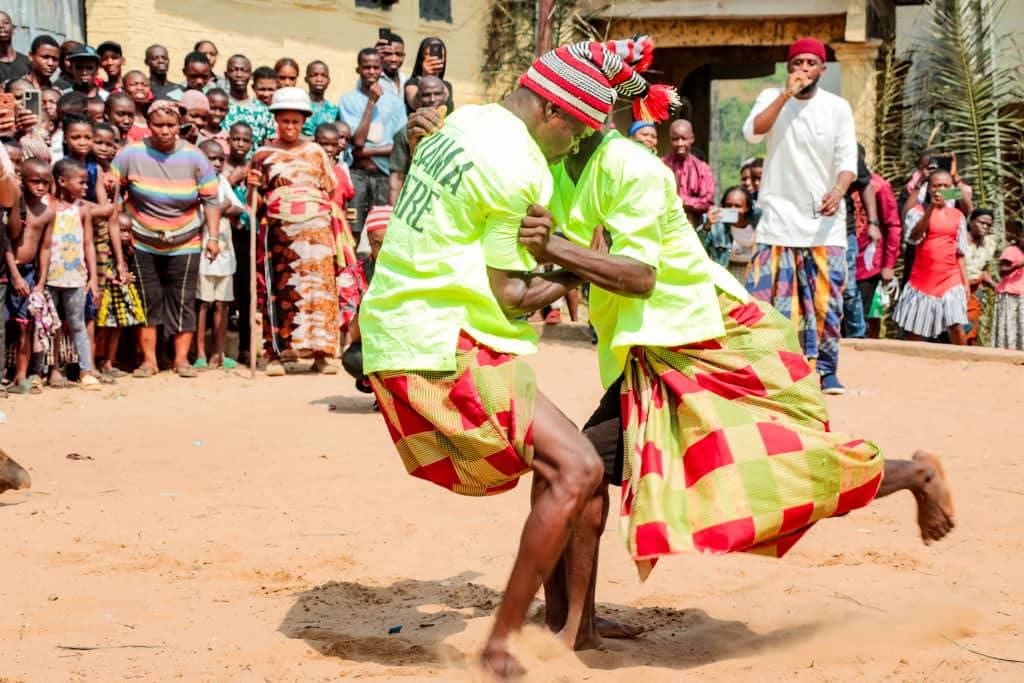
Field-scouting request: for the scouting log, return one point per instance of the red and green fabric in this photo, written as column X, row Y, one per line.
column 469, row 430
column 728, row 447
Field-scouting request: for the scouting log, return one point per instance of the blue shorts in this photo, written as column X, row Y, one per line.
column 17, row 306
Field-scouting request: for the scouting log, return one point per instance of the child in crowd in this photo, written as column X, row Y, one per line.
column 236, row 169
column 136, row 84
column 215, row 278
column 196, row 111
column 26, row 234
column 329, row 137
column 120, row 111
column 71, row 103
column 106, row 140
column 240, row 146
column 119, row 305
column 48, row 97
column 95, row 109
column 14, row 151
column 287, row 71
column 318, row 79
column 213, row 130
column 78, row 145
column 67, row 263
column 252, row 111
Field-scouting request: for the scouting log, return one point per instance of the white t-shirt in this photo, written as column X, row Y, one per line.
column 225, row 263
column 811, row 143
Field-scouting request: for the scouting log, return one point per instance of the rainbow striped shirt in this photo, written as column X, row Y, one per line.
column 164, row 190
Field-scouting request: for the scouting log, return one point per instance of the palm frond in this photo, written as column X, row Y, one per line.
column 963, row 83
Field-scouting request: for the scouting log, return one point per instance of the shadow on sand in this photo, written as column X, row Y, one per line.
column 351, row 621
column 350, row 405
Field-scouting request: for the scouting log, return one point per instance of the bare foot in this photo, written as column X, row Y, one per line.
column 585, row 640
column 934, row 500
column 608, row 628
column 499, row 662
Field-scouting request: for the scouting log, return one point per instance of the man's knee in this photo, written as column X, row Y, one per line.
column 582, row 472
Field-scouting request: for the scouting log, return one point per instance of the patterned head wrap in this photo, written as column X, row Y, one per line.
column 167, row 106
column 585, row 78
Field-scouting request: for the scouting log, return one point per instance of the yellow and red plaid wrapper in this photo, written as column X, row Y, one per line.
column 727, row 444
column 469, row 430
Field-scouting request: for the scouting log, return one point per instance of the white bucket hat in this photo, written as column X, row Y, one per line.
column 291, row 99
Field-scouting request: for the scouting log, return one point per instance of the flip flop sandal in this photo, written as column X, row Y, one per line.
column 59, row 383
column 201, row 364
column 90, row 383
column 106, row 378
column 24, row 387
column 115, row 373
column 187, row 371
column 229, row 363
column 143, row 372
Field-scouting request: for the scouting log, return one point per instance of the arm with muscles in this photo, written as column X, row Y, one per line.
column 520, row 293
column 620, row 275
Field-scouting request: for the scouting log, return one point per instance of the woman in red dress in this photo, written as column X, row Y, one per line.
column 935, row 298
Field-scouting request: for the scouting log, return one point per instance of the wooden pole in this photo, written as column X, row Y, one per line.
column 253, row 306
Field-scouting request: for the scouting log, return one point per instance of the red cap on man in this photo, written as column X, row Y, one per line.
column 807, row 46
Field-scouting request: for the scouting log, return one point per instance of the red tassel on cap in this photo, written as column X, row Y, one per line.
column 657, row 104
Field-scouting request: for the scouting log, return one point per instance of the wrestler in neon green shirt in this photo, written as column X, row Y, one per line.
column 632, row 195
column 457, row 216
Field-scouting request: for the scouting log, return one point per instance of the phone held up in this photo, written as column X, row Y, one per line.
column 729, row 216
column 384, row 33
column 435, row 50
column 32, row 101
column 954, row 193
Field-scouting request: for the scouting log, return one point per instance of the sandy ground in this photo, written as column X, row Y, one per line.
column 235, row 529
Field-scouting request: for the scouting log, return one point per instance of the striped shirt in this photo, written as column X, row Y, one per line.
column 164, row 190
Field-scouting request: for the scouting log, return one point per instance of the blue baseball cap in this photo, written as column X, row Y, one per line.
column 82, row 52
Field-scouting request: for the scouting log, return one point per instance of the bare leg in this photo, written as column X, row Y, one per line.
column 924, row 477
column 957, row 335
column 147, row 343
column 204, row 309
column 572, row 470
column 572, row 300
column 580, row 630
column 113, row 341
column 182, row 345
column 220, row 332
column 556, row 605
column 24, row 352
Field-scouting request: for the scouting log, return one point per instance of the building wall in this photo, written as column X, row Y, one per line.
column 266, row 30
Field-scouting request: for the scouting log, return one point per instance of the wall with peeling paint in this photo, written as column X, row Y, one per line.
column 266, row 30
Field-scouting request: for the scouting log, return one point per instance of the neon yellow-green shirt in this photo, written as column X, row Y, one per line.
column 459, row 212
column 633, row 195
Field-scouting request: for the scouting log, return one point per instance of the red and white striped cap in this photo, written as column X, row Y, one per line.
column 585, row 78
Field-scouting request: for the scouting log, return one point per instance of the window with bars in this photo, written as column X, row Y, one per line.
column 436, row 10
